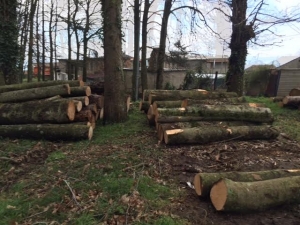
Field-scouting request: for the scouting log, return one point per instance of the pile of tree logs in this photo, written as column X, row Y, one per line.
column 50, row 110
column 199, row 116
column 291, row 101
column 249, row 191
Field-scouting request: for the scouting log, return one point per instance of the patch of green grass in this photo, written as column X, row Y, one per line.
column 151, row 190
column 165, row 220
column 287, row 119
column 56, row 156
column 85, row 219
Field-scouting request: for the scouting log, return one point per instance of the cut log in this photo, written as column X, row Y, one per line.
column 295, row 92
column 84, row 99
column 83, row 116
column 92, row 107
column 190, row 94
column 128, row 103
column 162, row 127
column 79, row 91
column 54, row 98
column 218, row 113
column 78, row 105
column 88, row 124
column 101, row 114
column 151, row 116
column 293, row 101
column 62, row 111
column 144, row 106
column 210, row 134
column 34, row 93
column 97, row 99
column 53, row 132
column 192, row 102
column 203, row 182
column 277, row 99
column 227, row 195
column 41, row 84
column 166, row 104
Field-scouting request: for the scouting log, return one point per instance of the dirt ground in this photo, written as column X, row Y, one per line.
column 179, row 164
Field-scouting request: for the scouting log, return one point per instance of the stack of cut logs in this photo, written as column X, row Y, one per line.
column 292, row 100
column 199, row 116
column 50, row 110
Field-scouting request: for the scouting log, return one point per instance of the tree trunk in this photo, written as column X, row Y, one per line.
column 191, row 94
column 191, row 102
column 98, row 100
column 241, row 34
column 218, row 113
column 79, row 91
column 115, row 109
column 227, row 195
column 205, row 135
column 69, row 22
column 51, row 40
column 136, row 59
column 291, row 101
column 53, row 132
column 16, row 87
column 62, row 111
column 34, row 93
column 203, row 182
column 162, row 44
column 144, row 78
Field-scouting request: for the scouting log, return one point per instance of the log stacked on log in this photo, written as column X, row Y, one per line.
column 291, row 101
column 200, row 116
column 51, row 110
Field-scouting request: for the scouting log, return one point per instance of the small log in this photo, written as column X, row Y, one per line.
column 192, row 102
column 34, row 93
column 40, row 84
column 151, row 116
column 93, row 108
column 78, row 105
column 79, row 91
column 189, row 94
column 277, row 99
column 83, row 115
column 54, row 98
column 128, row 103
column 84, row 99
column 144, row 106
column 166, row 104
column 227, row 195
column 101, row 114
column 210, row 134
column 62, row 111
column 218, row 113
column 53, row 132
column 203, row 182
column 293, row 101
column 97, row 99
column 295, row 92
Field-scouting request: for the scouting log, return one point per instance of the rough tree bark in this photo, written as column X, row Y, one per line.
column 115, row 106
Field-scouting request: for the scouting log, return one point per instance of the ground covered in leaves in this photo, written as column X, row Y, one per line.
column 130, row 178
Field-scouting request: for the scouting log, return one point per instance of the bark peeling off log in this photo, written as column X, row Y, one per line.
column 230, row 196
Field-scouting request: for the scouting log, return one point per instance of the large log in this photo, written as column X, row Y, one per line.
column 97, row 99
column 16, row 87
column 227, row 195
column 210, row 134
column 166, row 104
column 53, row 132
column 83, row 115
column 191, row 102
column 203, row 182
column 162, row 127
column 293, row 101
column 219, row 113
column 34, row 93
column 62, row 111
column 79, row 91
column 295, row 92
column 190, row 94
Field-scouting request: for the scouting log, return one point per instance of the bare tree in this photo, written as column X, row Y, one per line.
column 114, row 92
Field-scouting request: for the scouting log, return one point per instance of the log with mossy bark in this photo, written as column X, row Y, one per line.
column 190, row 94
column 230, row 196
column 53, row 132
column 293, row 101
column 40, row 84
column 147, row 92
column 97, row 99
column 204, row 135
column 218, row 113
column 84, row 99
column 166, row 104
column 162, row 127
column 79, row 91
column 203, row 182
column 62, row 111
column 222, row 101
column 34, row 93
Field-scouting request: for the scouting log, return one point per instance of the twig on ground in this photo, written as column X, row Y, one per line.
column 73, row 194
